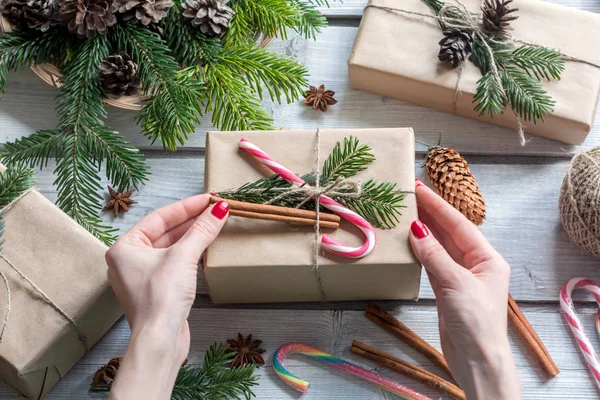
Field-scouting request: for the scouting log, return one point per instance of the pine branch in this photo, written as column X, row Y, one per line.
column 18, row 49
column 309, row 20
column 3, row 76
column 171, row 113
column 14, row 182
column 435, row 5
column 539, row 62
column 259, row 67
column 525, row 94
column 33, row 150
column 348, row 160
column 215, row 380
column 489, row 96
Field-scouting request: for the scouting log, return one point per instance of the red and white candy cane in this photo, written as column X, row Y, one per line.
column 327, row 242
column 571, row 316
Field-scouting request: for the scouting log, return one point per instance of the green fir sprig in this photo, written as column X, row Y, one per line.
column 13, row 183
column 381, row 203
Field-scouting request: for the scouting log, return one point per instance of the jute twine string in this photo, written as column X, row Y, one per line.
column 471, row 22
column 580, row 201
column 82, row 338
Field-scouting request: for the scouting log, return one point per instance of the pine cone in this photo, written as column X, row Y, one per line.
column 119, row 76
column 88, row 18
column 30, row 14
column 456, row 46
column 497, row 15
column 211, row 16
column 450, row 175
column 144, row 11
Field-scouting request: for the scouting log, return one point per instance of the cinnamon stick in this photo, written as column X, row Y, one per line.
column 530, row 337
column 404, row 333
column 407, row 369
column 277, row 210
column 283, row 218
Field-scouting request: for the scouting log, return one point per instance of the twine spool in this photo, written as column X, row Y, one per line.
column 580, row 201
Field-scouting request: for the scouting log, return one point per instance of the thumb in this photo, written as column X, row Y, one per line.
column 203, row 231
column 434, row 257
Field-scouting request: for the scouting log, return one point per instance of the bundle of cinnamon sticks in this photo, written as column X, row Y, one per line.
column 281, row 214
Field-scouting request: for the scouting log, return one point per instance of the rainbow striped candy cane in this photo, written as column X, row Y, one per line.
column 571, row 316
column 327, row 242
column 299, row 348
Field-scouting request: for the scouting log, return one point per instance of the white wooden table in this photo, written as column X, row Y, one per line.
column 521, row 186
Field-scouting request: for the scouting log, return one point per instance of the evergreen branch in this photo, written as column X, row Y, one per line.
column 269, row 17
column 14, row 182
column 435, row 5
column 309, row 20
column 526, row 95
column 18, row 49
column 539, row 62
column 489, row 95
column 234, row 105
column 259, row 67
column 3, row 75
column 171, row 113
column 348, row 160
column 240, row 32
column 215, row 381
column 33, row 150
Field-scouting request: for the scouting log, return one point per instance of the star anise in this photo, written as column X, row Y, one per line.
column 319, row 98
column 119, row 201
column 246, row 351
column 104, row 377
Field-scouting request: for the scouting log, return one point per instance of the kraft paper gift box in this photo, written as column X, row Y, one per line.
column 255, row 261
column 67, row 264
column 395, row 55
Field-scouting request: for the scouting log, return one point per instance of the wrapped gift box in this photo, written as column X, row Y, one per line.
column 263, row 261
column 395, row 55
column 67, row 264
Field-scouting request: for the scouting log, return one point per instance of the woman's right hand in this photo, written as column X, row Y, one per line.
column 470, row 281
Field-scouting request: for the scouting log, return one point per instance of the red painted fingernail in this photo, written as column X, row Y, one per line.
column 419, row 229
column 418, row 183
column 220, row 209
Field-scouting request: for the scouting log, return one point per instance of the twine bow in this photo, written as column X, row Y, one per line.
column 471, row 22
column 80, row 336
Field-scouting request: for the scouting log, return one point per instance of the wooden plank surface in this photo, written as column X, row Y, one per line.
column 333, row 331
column 523, row 220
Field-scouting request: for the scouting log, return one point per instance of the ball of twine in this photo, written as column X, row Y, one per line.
column 580, row 201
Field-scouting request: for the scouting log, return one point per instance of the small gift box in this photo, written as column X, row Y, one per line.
column 255, row 261
column 396, row 54
column 60, row 301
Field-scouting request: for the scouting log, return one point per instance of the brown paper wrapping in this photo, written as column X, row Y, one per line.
column 67, row 264
column 395, row 55
column 264, row 261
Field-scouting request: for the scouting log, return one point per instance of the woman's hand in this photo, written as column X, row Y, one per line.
column 470, row 281
column 153, row 270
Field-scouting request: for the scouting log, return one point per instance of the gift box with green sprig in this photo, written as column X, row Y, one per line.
column 45, row 329
column 172, row 60
column 535, row 68
column 367, row 171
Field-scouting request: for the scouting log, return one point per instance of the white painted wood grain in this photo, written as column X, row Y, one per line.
column 523, row 221
column 333, row 331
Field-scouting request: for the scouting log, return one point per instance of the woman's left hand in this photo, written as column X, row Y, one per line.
column 153, row 270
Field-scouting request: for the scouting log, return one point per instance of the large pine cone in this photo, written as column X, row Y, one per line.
column 88, row 18
column 119, row 75
column 144, row 11
column 30, row 14
column 456, row 46
column 450, row 175
column 211, row 16
column 497, row 15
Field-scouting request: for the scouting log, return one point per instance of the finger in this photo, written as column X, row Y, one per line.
column 434, row 257
column 442, row 236
column 467, row 238
column 171, row 237
column 155, row 224
column 203, row 232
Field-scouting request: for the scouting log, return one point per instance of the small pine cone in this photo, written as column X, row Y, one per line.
column 119, row 76
column 144, row 11
column 449, row 173
column 30, row 14
column 497, row 15
column 211, row 16
column 87, row 18
column 456, row 46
